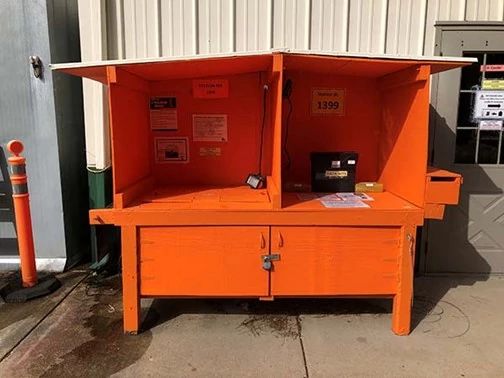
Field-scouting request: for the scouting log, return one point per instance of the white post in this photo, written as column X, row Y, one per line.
column 93, row 42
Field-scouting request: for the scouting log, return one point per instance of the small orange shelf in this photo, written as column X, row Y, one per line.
column 381, row 201
column 192, row 229
column 204, row 206
column 206, row 197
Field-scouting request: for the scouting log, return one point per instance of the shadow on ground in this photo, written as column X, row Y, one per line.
column 106, row 349
column 262, row 316
column 429, row 306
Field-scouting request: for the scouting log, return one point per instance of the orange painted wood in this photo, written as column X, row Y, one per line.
column 402, row 149
column 335, row 260
column 191, row 194
column 130, row 279
column 132, row 192
column 201, row 68
column 159, row 215
column 201, row 232
column 381, row 201
column 239, row 156
column 178, row 208
column 403, row 300
column 274, row 193
column 358, row 66
column 120, row 76
column 357, row 130
column 203, row 261
column 131, row 147
column 434, row 211
column 277, row 137
column 442, row 187
column 407, row 76
column 304, row 213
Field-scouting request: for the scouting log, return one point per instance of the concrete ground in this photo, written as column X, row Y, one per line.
column 459, row 332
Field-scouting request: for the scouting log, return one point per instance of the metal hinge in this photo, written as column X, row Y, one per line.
column 36, row 64
column 268, row 259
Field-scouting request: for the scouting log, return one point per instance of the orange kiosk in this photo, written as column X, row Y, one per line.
column 187, row 132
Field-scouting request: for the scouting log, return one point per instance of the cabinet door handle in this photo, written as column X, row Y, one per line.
column 262, row 241
column 280, row 240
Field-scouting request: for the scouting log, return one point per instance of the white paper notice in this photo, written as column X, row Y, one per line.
column 210, row 128
column 493, row 124
column 489, row 105
column 163, row 113
column 345, row 197
column 172, row 150
column 343, row 204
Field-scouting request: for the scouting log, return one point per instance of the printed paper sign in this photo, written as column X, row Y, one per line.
column 328, row 101
column 491, row 125
column 210, row 151
column 492, row 84
column 163, row 113
column 492, row 68
column 347, row 196
column 214, row 88
column 210, row 128
column 489, row 105
column 343, row 204
column 172, row 150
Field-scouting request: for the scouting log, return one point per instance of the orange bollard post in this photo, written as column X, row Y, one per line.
column 21, row 198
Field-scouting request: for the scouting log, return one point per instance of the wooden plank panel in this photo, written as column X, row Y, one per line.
column 156, row 214
column 335, row 260
column 129, row 117
column 203, row 261
column 131, row 297
column 405, row 116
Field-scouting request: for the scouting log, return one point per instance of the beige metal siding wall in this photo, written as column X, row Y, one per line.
column 152, row 28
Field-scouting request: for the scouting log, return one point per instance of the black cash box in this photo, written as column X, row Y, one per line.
column 333, row 171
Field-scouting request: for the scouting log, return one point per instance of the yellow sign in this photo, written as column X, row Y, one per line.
column 493, row 84
column 336, row 174
column 330, row 101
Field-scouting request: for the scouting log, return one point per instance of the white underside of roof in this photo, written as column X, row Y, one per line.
column 441, row 59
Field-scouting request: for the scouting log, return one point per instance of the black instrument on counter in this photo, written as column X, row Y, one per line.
column 333, row 171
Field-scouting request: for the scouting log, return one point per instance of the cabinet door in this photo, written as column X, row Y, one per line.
column 203, row 261
column 335, row 260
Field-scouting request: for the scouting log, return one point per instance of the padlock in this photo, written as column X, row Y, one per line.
column 267, row 264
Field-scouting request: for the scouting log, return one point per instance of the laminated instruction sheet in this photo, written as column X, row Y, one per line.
column 338, row 200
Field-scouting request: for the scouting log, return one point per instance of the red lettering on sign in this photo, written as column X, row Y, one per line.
column 212, row 88
column 492, row 68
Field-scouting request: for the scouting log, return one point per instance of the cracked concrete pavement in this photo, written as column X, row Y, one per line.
column 459, row 331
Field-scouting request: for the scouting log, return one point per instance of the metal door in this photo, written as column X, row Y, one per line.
column 45, row 113
column 471, row 237
column 8, row 241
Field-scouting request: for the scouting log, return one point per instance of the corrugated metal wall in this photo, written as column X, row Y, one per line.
column 152, row 28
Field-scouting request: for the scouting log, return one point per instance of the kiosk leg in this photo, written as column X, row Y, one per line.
column 403, row 300
column 131, row 297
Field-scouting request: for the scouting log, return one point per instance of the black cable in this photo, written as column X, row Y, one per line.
column 265, row 91
column 286, row 94
column 286, row 139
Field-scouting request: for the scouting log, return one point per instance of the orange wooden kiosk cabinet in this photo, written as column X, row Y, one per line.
column 186, row 132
